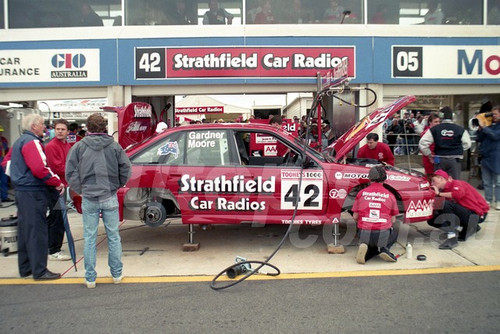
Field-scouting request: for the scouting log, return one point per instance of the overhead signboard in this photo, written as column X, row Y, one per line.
column 200, row 110
column 446, row 62
column 220, row 62
column 52, row 65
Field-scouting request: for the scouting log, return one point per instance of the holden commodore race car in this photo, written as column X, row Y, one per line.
column 232, row 173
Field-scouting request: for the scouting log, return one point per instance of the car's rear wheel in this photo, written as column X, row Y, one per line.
column 154, row 214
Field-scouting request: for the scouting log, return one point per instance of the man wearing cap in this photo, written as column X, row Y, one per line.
column 375, row 150
column 375, row 209
column 451, row 140
column 463, row 209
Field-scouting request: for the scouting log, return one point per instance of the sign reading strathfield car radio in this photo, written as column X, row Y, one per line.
column 55, row 65
column 167, row 63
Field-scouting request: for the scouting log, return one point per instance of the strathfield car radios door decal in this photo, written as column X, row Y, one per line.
column 310, row 194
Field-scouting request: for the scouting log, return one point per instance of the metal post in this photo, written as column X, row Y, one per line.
column 335, row 234
column 191, row 233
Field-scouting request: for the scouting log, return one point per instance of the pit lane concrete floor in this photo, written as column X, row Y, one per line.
column 153, row 254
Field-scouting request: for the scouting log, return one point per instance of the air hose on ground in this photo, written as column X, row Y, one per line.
column 234, row 268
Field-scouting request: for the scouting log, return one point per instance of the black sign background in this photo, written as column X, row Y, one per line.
column 150, row 63
column 406, row 70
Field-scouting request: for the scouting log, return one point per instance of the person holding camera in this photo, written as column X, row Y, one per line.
column 489, row 137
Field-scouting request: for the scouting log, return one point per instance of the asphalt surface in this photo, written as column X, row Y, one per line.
column 166, row 290
column 443, row 303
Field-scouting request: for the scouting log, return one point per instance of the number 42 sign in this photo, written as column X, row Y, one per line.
column 150, row 63
column 310, row 194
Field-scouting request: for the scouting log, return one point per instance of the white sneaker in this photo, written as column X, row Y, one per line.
column 90, row 285
column 59, row 256
column 361, row 254
column 117, row 280
column 498, row 206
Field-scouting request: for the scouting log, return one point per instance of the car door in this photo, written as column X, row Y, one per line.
column 202, row 177
column 279, row 184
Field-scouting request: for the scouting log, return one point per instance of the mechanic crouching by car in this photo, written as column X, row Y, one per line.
column 463, row 209
column 375, row 209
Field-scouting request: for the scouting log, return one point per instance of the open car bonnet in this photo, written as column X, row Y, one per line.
column 358, row 131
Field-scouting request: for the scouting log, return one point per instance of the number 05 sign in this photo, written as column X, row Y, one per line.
column 310, row 194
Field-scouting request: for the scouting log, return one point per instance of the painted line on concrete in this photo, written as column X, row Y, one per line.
column 260, row 277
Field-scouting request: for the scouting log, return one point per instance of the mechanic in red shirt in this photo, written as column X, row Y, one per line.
column 57, row 151
column 428, row 163
column 375, row 150
column 375, row 209
column 281, row 149
column 464, row 208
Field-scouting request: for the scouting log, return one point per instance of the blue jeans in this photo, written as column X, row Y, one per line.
column 91, row 211
column 490, row 180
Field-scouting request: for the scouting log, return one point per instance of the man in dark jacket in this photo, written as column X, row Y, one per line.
column 96, row 168
column 450, row 141
column 31, row 175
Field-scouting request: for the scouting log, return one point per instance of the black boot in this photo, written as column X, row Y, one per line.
column 450, row 243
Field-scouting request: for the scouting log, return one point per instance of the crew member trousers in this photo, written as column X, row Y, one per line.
column 32, row 232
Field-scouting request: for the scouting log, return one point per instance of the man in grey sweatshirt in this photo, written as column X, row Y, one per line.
column 96, row 167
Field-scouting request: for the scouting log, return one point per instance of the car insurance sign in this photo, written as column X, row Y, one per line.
column 54, row 65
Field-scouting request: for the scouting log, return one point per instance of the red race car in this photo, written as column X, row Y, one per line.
column 209, row 174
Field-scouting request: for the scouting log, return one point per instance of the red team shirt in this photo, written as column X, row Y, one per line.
column 375, row 206
column 465, row 195
column 381, row 152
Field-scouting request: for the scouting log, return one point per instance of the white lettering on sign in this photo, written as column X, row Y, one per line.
column 213, row 61
column 222, row 184
column 323, row 61
column 301, row 222
column 339, row 175
column 399, row 178
column 223, row 204
column 136, row 127
column 206, row 139
column 421, row 208
column 142, row 111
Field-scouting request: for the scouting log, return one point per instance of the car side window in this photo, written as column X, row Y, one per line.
column 167, row 151
column 258, row 148
column 207, row 148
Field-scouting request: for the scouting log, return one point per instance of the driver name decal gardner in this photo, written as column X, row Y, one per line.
column 224, row 185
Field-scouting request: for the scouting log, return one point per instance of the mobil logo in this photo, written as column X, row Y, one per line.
column 478, row 61
column 68, row 60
